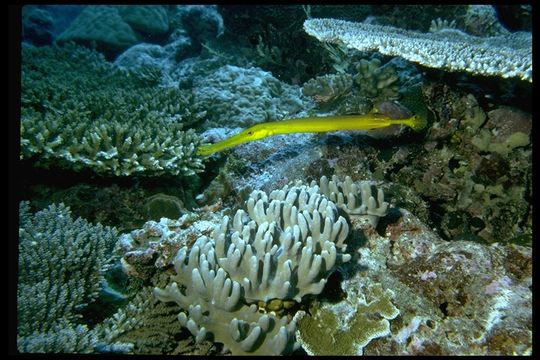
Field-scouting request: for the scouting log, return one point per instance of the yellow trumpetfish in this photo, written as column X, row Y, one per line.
column 312, row 124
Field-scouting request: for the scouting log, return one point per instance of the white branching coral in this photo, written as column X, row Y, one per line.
column 281, row 248
column 441, row 24
column 355, row 199
column 215, row 306
column 288, row 248
column 508, row 55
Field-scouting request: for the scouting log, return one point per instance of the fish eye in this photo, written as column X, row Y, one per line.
column 250, row 132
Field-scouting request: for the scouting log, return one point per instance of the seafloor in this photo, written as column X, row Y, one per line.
column 392, row 241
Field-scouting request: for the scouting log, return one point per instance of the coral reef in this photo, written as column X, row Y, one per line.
column 475, row 194
column 155, row 58
column 482, row 20
column 214, row 307
column 108, row 205
column 452, row 298
column 299, row 259
column 445, row 285
column 143, row 326
column 114, row 28
column 505, row 56
column 180, row 57
column 463, row 171
column 163, row 205
column 505, row 130
column 60, row 269
column 273, row 39
column 348, row 326
column 355, row 199
column 354, row 92
column 422, row 248
column 154, row 246
column 202, row 23
column 76, row 116
column 477, row 20
column 62, row 272
column 441, row 24
column 328, row 88
column 242, row 97
column 37, row 25
column 376, row 81
column 278, row 249
column 146, row 19
column 275, row 33
column 264, row 165
column 412, row 17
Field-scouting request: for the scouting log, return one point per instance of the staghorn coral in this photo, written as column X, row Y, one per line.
column 62, row 337
column 60, row 268
column 81, row 112
column 505, row 56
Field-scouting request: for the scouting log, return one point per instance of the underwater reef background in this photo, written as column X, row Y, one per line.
column 377, row 242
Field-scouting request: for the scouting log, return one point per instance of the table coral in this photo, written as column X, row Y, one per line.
column 506, row 56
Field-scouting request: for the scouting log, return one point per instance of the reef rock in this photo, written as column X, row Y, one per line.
column 411, row 293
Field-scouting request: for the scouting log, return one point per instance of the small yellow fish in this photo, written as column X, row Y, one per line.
column 369, row 121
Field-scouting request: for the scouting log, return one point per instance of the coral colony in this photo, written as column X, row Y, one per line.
column 275, row 180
